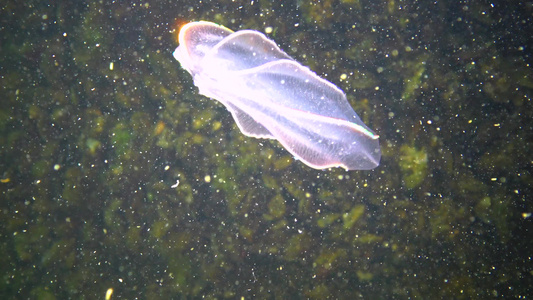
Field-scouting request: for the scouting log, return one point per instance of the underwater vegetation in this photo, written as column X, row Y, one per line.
column 117, row 177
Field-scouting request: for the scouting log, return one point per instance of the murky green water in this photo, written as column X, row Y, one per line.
column 98, row 122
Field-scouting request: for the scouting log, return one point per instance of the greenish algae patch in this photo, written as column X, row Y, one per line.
column 352, row 216
column 320, row 291
column 329, row 259
column 353, row 4
column 93, row 145
column 246, row 232
column 441, row 220
column 159, row 228
column 416, row 69
column 496, row 211
column 28, row 244
column 297, row 245
column 42, row 293
column 276, row 208
column 413, row 163
column 368, row 239
column 327, row 219
column 283, row 162
column 121, row 139
column 364, row 276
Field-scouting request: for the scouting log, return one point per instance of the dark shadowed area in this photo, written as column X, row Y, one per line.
column 118, row 180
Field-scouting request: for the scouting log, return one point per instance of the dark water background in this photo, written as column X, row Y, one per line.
column 98, row 121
